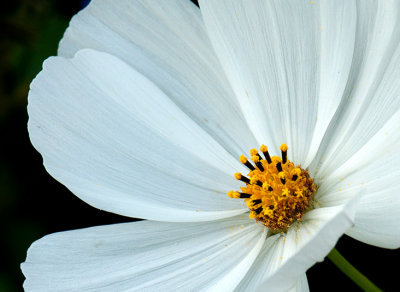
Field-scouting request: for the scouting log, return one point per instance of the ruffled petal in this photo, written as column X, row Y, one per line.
column 285, row 257
column 166, row 42
column 120, row 144
column 309, row 243
column 287, row 62
column 145, row 255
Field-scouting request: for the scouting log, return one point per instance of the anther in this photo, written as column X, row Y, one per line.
column 279, row 166
column 264, row 150
column 244, row 195
column 258, row 210
column 255, row 152
column 284, row 149
column 256, row 202
column 255, row 181
column 242, row 178
column 256, row 160
column 294, row 177
column 271, row 207
column 282, row 177
column 243, row 159
column 267, row 187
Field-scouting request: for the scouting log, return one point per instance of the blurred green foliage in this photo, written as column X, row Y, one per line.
column 30, row 33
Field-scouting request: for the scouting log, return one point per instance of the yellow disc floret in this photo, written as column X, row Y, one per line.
column 277, row 192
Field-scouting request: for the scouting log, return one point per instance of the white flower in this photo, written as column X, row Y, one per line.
column 150, row 104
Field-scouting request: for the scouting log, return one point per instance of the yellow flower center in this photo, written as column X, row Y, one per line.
column 276, row 192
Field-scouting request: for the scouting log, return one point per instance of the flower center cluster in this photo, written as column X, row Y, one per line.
column 276, row 192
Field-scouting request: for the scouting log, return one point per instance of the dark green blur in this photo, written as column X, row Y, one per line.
column 30, row 31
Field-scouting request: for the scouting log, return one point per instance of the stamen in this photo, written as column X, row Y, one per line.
column 244, row 195
column 280, row 192
column 255, row 152
column 264, row 150
column 266, row 186
column 279, row 166
column 243, row 159
column 256, row 202
column 244, row 179
column 284, row 149
column 259, row 183
column 256, row 160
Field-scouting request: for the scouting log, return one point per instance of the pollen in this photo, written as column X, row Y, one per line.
column 276, row 191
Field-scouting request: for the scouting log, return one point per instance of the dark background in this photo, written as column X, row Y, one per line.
column 33, row 204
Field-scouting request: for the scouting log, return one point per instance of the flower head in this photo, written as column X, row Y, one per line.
column 149, row 105
column 276, row 192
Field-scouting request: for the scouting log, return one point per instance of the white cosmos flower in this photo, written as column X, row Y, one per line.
column 149, row 105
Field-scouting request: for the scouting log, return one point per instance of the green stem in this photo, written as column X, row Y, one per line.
column 351, row 272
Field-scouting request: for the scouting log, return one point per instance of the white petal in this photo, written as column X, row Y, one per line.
column 301, row 284
column 371, row 95
column 337, row 37
column 144, row 256
column 375, row 169
column 166, row 42
column 272, row 52
column 308, row 244
column 377, row 218
column 284, row 259
column 116, row 141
